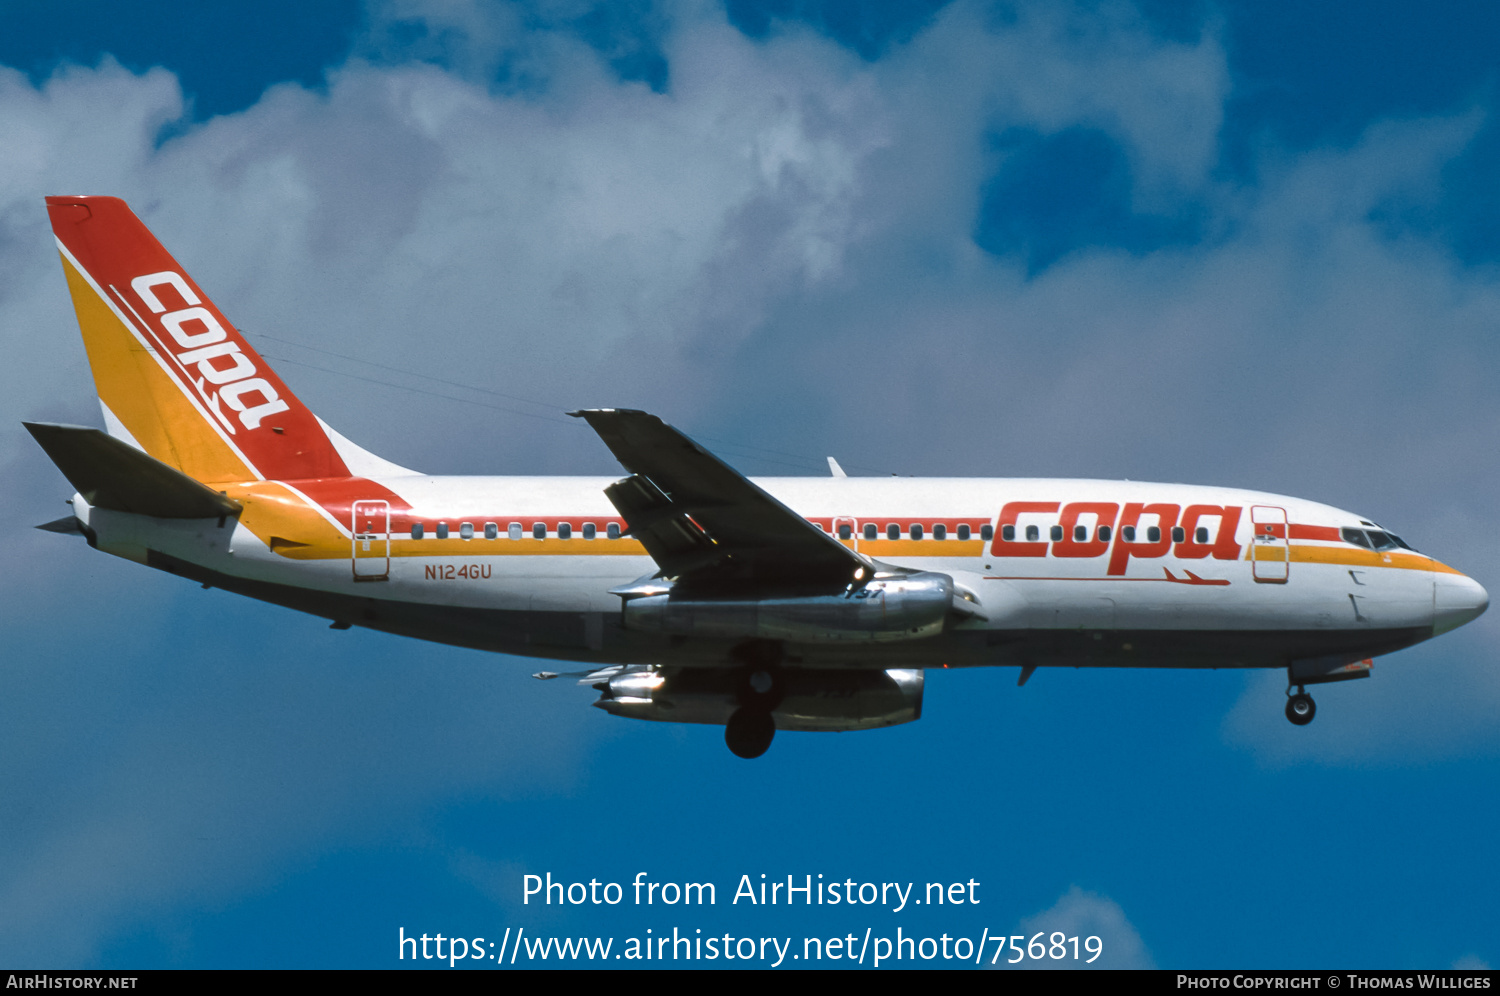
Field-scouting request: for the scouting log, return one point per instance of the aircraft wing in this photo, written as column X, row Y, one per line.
column 702, row 521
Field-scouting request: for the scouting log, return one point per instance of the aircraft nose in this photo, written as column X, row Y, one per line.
column 1456, row 599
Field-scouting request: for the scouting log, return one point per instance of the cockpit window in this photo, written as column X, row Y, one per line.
column 1380, row 540
column 1401, row 542
column 1355, row 536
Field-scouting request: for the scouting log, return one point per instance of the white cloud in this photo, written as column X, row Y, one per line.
column 1085, row 915
column 182, row 746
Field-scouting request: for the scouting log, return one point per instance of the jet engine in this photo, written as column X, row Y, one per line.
column 823, row 701
column 885, row 609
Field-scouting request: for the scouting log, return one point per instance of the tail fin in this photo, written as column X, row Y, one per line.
column 175, row 379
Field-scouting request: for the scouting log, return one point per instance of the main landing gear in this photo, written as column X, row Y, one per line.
column 749, row 732
column 1300, row 708
column 751, row 728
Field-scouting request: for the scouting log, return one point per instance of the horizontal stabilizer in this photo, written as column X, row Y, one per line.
column 110, row 473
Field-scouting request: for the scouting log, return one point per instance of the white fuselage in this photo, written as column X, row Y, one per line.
column 1057, row 571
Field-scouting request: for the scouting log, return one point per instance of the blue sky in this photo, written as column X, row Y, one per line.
column 1242, row 244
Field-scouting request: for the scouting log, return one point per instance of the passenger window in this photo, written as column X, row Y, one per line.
column 539, row 530
column 1080, row 533
column 491, row 531
column 588, row 530
column 1103, row 534
column 1127, row 533
column 513, row 530
column 963, row 531
column 442, row 530
column 1033, row 533
column 916, row 530
column 466, row 530
column 1057, row 534
column 939, row 531
column 1008, row 533
column 893, row 531
column 846, row 531
column 1355, row 536
column 1178, row 534
column 613, row 530
column 565, row 530
column 986, row 532
column 1201, row 534
column 1153, row 534
column 416, row 530
column 870, row 530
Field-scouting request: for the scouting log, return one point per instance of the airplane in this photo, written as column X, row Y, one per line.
column 690, row 593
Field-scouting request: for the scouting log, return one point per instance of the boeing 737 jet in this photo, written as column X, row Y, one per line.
column 689, row 593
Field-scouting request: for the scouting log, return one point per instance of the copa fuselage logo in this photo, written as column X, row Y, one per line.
column 1141, row 530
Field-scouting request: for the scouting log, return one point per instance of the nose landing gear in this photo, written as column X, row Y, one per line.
column 1317, row 671
column 1300, row 708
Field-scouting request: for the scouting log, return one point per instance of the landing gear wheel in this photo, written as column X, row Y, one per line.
column 761, row 688
column 749, row 732
column 1301, row 709
column 759, row 677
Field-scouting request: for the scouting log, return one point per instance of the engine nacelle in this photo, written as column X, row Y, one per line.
column 817, row 701
column 884, row 610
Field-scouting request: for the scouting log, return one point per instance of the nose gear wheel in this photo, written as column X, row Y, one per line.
column 1300, row 708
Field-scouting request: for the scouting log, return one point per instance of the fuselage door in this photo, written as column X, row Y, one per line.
column 372, row 540
column 1270, row 553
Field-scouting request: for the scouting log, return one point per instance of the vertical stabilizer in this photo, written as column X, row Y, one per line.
column 174, row 377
